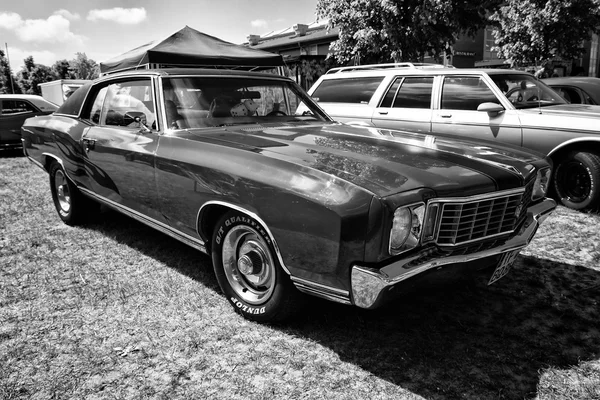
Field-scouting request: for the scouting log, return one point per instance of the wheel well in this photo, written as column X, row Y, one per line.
column 48, row 162
column 588, row 147
column 208, row 219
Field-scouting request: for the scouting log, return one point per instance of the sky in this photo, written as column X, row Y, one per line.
column 51, row 30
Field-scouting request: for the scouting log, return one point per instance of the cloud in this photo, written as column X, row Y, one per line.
column 55, row 29
column 10, row 20
column 259, row 23
column 126, row 16
column 17, row 56
column 68, row 14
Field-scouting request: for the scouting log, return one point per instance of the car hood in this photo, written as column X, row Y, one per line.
column 577, row 116
column 384, row 166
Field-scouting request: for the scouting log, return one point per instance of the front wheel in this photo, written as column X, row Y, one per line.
column 248, row 271
column 576, row 180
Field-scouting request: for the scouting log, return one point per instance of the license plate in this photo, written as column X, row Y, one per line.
column 505, row 264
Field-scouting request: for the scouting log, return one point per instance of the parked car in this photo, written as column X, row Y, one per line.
column 14, row 110
column 577, row 89
column 501, row 105
column 224, row 162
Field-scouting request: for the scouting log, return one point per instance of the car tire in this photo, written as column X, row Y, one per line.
column 576, row 180
column 68, row 200
column 248, row 270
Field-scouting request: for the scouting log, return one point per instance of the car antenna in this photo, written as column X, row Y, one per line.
column 539, row 98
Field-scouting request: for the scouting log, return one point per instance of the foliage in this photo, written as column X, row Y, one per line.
column 400, row 30
column 62, row 70
column 4, row 74
column 32, row 74
column 532, row 31
column 83, row 67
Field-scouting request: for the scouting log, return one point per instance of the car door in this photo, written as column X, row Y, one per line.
column 456, row 113
column 121, row 151
column 406, row 105
column 13, row 112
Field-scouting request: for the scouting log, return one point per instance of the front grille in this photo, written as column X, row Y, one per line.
column 473, row 220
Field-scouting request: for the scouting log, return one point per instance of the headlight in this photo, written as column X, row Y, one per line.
column 540, row 186
column 406, row 228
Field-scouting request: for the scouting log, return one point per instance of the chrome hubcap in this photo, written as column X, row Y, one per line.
column 62, row 191
column 248, row 264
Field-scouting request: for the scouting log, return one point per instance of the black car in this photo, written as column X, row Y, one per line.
column 14, row 110
column 285, row 200
column 577, row 89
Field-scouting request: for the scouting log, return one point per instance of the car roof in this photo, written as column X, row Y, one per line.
column 39, row 101
column 573, row 80
column 421, row 70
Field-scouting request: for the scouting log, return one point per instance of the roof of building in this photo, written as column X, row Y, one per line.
column 316, row 31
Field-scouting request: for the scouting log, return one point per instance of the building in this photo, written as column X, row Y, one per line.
column 304, row 48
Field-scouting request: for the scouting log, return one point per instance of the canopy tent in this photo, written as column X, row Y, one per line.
column 189, row 47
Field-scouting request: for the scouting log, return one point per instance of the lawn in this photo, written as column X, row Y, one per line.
column 115, row 310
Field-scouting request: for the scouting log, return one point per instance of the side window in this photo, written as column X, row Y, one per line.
column 13, row 107
column 120, row 98
column 97, row 105
column 388, row 99
column 352, row 90
column 415, row 92
column 465, row 93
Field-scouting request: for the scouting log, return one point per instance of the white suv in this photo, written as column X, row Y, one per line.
column 491, row 104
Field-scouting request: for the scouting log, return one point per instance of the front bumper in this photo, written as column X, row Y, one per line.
column 370, row 285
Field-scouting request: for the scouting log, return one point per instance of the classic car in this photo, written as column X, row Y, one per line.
column 577, row 89
column 285, row 202
column 481, row 104
column 14, row 110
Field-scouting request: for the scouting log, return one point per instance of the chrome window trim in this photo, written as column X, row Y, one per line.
column 160, row 226
column 251, row 215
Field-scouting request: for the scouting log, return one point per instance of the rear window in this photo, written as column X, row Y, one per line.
column 352, row 90
column 73, row 104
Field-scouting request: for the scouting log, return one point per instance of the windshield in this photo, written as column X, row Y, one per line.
column 525, row 91
column 200, row 102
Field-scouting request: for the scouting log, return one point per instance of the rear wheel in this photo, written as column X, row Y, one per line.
column 576, row 180
column 248, row 271
column 70, row 204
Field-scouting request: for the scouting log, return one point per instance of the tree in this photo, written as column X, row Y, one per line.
column 400, row 30
column 84, row 67
column 62, row 70
column 534, row 31
column 5, row 74
column 32, row 74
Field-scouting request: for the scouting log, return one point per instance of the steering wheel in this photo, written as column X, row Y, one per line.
column 275, row 112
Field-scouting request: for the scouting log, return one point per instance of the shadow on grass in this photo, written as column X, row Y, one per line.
column 11, row 153
column 465, row 340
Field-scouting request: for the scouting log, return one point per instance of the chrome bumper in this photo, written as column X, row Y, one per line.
column 370, row 284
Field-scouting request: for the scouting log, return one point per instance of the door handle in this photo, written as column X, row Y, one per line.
column 383, row 112
column 446, row 115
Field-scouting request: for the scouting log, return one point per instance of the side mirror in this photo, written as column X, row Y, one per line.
column 135, row 117
column 493, row 109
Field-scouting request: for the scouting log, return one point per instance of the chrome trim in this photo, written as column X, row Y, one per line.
column 323, row 291
column 571, row 141
column 162, row 227
column 55, row 157
column 251, row 215
column 369, row 284
column 36, row 162
column 479, row 197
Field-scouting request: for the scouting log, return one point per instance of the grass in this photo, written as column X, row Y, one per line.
column 115, row 310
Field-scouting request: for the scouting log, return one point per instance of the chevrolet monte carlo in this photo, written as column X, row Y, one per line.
column 285, row 202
